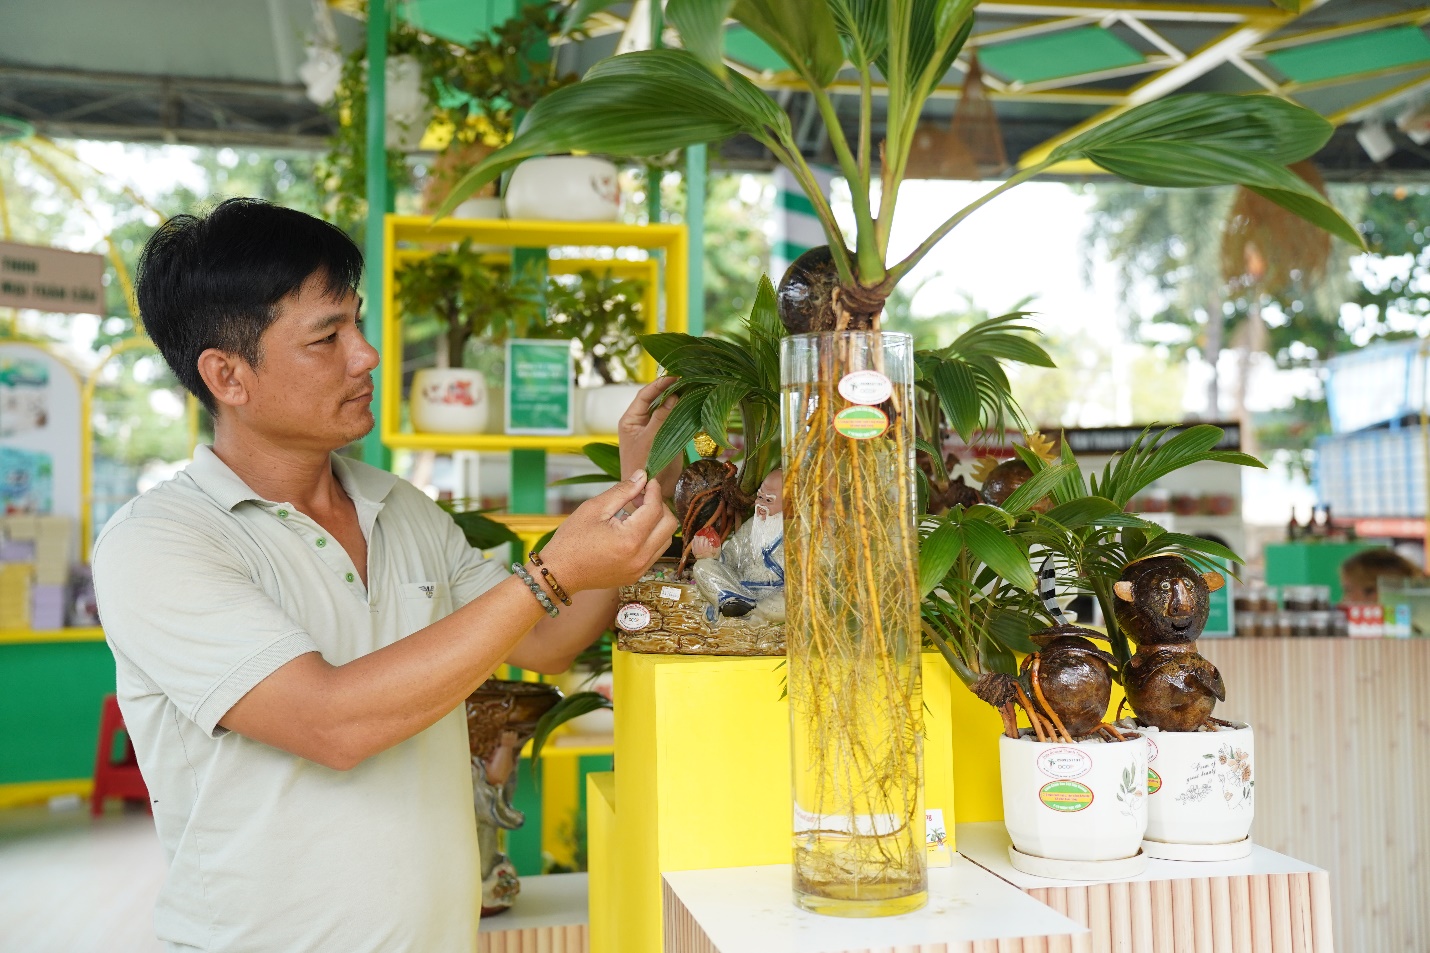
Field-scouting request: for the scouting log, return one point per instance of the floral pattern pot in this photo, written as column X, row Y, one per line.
column 1201, row 785
column 449, row 400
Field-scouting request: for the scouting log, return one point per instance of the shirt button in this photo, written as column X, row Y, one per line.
column 321, row 542
column 350, row 577
column 283, row 514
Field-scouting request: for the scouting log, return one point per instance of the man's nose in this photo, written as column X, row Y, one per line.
column 366, row 357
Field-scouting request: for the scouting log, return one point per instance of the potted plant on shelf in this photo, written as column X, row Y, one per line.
column 605, row 316
column 470, row 298
column 847, row 389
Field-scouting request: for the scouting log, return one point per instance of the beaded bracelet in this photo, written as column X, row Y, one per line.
column 550, row 579
column 536, row 589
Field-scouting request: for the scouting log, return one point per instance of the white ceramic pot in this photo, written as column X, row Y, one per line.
column 449, row 400
column 602, row 407
column 1085, row 801
column 487, row 207
column 564, row 189
column 1201, row 785
column 599, row 722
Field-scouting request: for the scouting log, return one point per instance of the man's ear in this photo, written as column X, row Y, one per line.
column 1215, row 580
column 1124, row 590
column 226, row 375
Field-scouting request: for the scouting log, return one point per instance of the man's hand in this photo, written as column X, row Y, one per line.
column 637, row 431
column 596, row 549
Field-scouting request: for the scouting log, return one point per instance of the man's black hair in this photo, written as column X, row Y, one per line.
column 216, row 281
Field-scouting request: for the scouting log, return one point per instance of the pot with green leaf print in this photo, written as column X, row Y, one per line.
column 846, row 395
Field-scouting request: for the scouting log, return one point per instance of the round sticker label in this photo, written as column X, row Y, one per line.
column 632, row 617
column 1154, row 781
column 865, row 387
column 1065, row 796
column 860, row 422
column 1064, row 763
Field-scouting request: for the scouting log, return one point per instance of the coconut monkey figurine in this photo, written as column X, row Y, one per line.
column 1162, row 605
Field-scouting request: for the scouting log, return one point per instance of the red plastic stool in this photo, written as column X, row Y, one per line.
column 115, row 779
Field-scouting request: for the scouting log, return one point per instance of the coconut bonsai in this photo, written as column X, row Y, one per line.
column 849, row 490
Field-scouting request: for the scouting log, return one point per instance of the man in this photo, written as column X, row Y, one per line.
column 294, row 632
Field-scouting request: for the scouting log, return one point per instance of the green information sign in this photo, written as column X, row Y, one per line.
column 540, row 379
column 1219, row 621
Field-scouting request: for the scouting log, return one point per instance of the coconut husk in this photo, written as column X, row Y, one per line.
column 451, row 164
column 1266, row 246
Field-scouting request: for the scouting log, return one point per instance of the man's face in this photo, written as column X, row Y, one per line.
column 313, row 385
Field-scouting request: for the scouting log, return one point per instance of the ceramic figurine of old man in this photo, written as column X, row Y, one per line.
column 747, row 573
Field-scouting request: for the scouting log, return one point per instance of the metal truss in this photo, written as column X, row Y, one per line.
column 88, row 105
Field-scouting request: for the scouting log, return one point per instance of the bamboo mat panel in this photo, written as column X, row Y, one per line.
column 1342, row 774
column 1272, row 913
column 567, row 939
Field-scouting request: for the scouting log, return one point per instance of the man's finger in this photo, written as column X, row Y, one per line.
column 640, row 408
column 615, row 499
column 647, row 516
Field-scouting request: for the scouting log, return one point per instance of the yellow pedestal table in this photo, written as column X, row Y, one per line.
column 702, row 779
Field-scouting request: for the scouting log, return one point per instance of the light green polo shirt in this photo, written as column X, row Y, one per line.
column 205, row 589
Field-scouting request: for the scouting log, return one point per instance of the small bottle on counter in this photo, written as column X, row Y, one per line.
column 1293, row 528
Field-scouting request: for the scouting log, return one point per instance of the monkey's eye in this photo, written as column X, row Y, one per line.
column 1166, row 586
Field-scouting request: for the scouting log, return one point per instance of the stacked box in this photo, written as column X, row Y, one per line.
column 47, row 606
column 53, row 535
column 15, row 581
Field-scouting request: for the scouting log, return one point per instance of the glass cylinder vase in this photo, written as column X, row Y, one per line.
column 852, row 633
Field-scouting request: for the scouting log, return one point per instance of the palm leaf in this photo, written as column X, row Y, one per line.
column 864, row 24
column 678, row 429
column 701, row 24
column 801, row 32
column 1000, row 553
column 937, row 554
column 572, row 706
column 645, row 103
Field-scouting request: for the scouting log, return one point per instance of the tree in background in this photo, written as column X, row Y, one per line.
column 1168, row 247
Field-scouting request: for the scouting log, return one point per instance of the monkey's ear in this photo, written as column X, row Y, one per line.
column 1124, row 590
column 1215, row 580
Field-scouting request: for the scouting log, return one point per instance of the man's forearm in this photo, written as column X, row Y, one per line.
column 340, row 715
column 553, row 645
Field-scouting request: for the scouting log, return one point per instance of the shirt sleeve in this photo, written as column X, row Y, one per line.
column 189, row 616
column 470, row 574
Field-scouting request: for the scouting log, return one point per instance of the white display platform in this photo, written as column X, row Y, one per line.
column 987, row 845
column 751, row 910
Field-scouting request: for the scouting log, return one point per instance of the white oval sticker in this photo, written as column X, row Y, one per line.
column 632, row 617
column 1064, row 763
column 865, row 387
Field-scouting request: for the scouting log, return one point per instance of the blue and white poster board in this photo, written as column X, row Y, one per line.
column 40, row 405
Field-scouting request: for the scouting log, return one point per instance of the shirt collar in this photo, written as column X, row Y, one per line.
column 361, row 482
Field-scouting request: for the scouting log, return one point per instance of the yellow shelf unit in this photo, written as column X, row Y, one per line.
column 409, row 237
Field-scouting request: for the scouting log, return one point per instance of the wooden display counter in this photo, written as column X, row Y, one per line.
column 1342, row 767
column 549, row 916
column 1265, row 903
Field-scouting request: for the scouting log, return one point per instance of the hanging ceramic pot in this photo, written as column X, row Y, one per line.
column 564, row 189
column 408, row 108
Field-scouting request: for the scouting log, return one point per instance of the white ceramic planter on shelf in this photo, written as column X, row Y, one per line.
column 450, row 400
column 602, row 407
column 1201, row 793
column 1084, row 802
column 599, row 722
column 564, row 189
column 487, row 207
